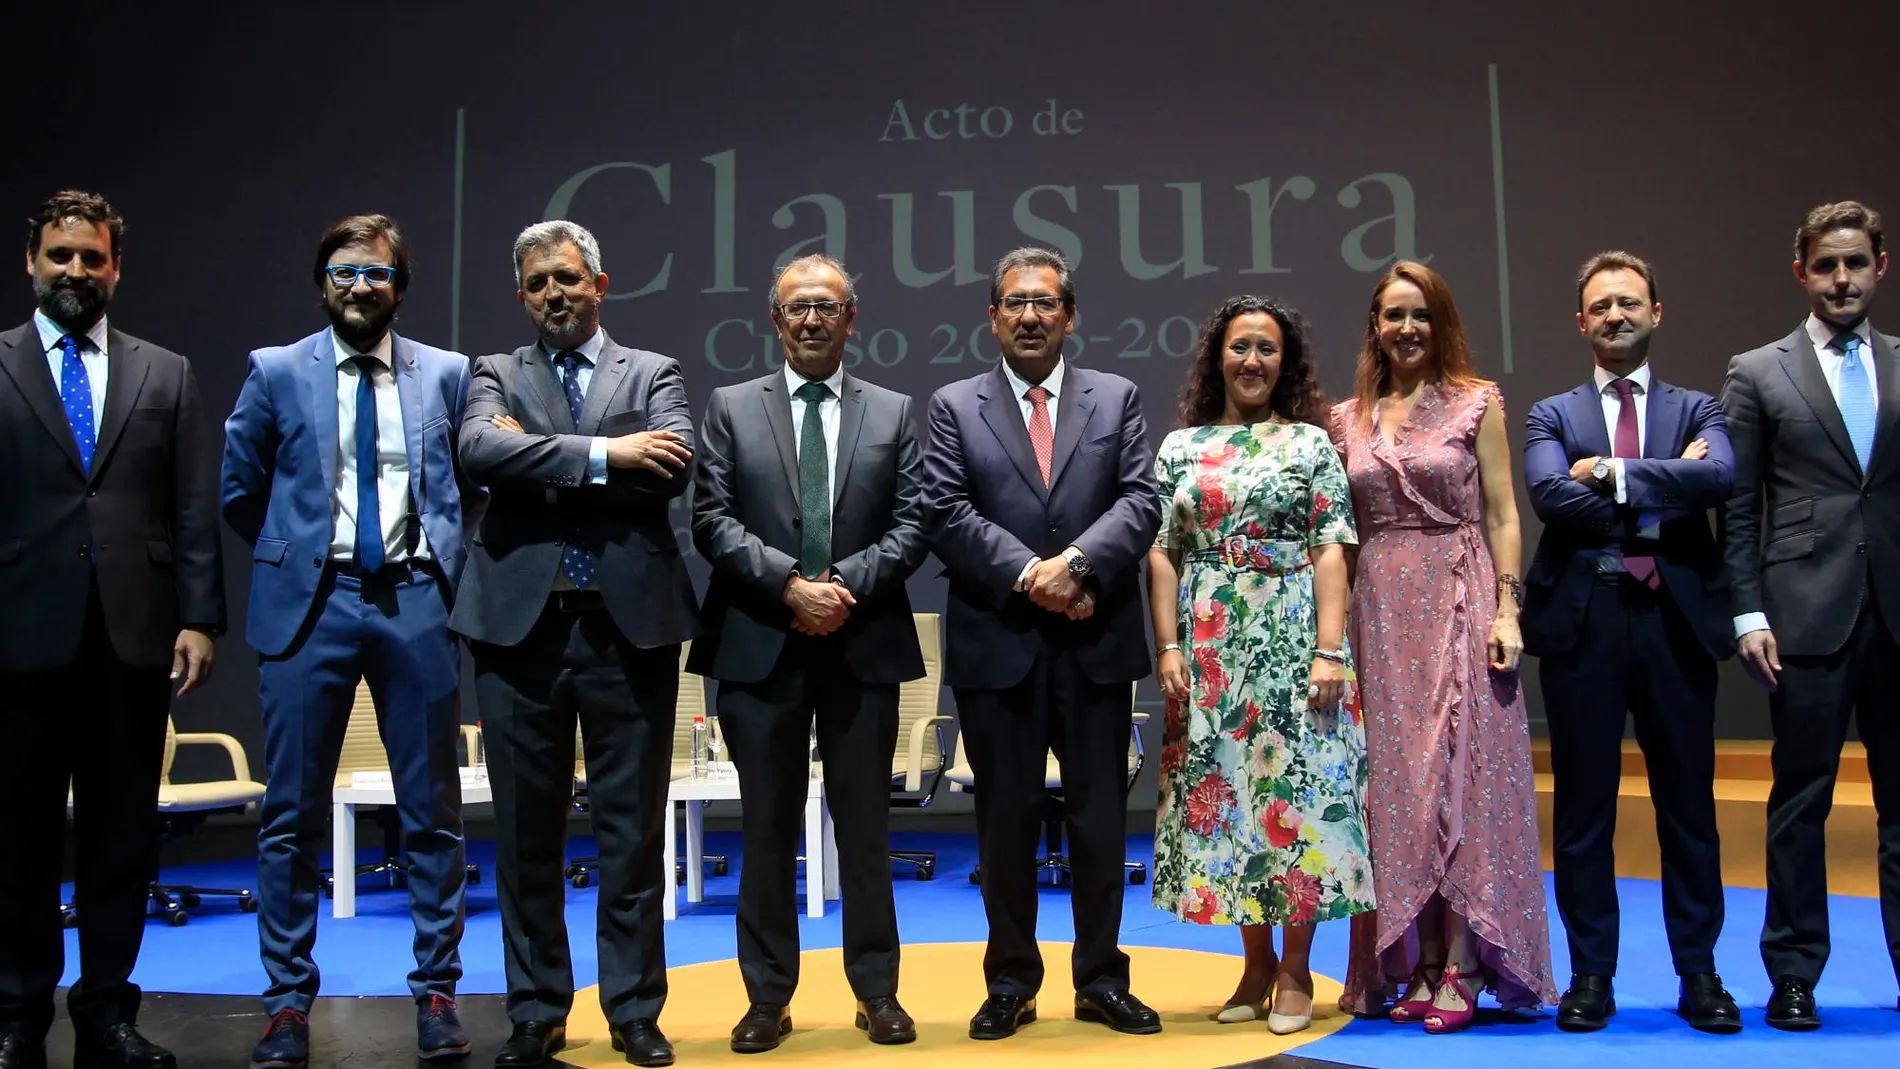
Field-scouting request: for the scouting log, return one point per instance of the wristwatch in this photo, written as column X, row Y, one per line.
column 1602, row 470
column 1078, row 562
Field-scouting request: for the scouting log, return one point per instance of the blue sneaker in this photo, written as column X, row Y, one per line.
column 439, row 1031
column 286, row 1043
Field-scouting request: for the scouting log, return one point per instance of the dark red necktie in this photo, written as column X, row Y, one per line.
column 1643, row 569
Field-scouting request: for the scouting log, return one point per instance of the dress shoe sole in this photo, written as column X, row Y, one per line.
column 1795, row 1024
column 746, row 1047
column 890, row 1039
column 443, row 1054
column 1027, row 1016
column 1095, row 1016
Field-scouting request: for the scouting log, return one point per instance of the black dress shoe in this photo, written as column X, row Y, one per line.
column 119, row 1046
column 1588, row 1005
column 1001, row 1015
column 532, row 1043
column 764, row 1026
column 886, row 1021
column 642, row 1042
column 1707, row 1005
column 1791, row 1008
column 1119, row 1010
column 19, row 1052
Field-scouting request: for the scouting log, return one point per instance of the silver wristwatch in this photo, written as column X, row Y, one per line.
column 1078, row 562
column 1602, row 470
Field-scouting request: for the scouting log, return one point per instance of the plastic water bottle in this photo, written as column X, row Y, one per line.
column 699, row 747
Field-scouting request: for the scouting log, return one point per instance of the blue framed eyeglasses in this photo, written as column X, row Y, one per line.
column 343, row 276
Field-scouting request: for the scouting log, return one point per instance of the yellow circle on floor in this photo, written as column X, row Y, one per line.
column 942, row 986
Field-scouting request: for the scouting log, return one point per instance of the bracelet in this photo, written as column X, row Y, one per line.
column 1515, row 585
column 1159, row 650
column 1336, row 656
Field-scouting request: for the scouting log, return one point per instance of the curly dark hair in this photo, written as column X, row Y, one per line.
column 75, row 204
column 1296, row 396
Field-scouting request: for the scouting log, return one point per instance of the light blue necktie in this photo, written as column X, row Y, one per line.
column 1857, row 399
column 75, row 395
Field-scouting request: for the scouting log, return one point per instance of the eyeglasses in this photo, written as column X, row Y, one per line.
column 343, row 276
column 1015, row 306
column 798, row 310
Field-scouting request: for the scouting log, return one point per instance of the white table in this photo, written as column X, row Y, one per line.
column 374, row 788
column 722, row 784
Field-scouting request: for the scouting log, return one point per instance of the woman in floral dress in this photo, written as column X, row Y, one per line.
column 1453, row 805
column 1263, row 765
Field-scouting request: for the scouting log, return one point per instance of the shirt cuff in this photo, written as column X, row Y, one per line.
column 1750, row 621
column 1622, row 485
column 597, row 461
column 1024, row 576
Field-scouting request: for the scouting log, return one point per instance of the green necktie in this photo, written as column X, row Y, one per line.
column 814, row 484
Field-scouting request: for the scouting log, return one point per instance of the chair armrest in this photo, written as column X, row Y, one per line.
column 914, row 747
column 240, row 765
column 472, row 741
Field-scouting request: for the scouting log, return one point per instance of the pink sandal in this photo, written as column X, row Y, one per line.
column 1441, row 1022
column 1413, row 1010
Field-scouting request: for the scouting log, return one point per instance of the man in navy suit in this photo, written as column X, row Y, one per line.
column 340, row 472
column 1626, row 604
column 1039, row 497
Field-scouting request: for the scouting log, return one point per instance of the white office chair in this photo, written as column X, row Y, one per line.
column 920, row 742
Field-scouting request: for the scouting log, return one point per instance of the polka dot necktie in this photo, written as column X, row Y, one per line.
column 576, row 563
column 75, row 394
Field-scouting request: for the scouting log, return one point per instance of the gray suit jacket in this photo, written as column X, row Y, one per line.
column 746, row 523
column 1808, row 535
column 541, row 501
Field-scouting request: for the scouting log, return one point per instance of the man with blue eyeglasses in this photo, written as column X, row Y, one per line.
column 340, row 471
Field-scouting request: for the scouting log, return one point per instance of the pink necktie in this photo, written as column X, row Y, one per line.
column 1041, row 437
column 1643, row 569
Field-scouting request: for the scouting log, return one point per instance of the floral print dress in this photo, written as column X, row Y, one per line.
column 1262, row 799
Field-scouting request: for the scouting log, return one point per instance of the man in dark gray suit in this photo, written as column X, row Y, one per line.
column 1813, row 546
column 1040, row 499
column 575, row 602
column 811, row 535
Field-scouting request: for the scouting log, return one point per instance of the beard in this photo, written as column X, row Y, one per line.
column 567, row 331
column 73, row 303
column 360, row 323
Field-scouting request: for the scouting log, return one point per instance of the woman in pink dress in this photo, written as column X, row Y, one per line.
column 1451, row 795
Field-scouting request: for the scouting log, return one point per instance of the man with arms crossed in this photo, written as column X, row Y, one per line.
column 1813, row 544
column 1040, row 500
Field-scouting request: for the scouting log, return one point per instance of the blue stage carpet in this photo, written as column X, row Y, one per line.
column 216, row 953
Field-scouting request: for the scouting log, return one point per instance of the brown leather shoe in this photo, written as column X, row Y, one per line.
column 763, row 1028
column 886, row 1021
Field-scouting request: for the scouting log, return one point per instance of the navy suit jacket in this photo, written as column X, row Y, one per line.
column 280, row 465
column 988, row 514
column 1585, row 529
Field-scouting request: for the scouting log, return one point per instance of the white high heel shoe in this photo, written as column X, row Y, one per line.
column 1285, row 1024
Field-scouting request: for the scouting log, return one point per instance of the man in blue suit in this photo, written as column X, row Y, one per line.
column 1039, row 498
column 340, row 471
column 1627, row 606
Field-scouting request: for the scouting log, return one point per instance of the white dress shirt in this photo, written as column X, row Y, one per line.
column 1020, row 387
column 392, row 456
column 92, row 356
column 829, row 411
column 1822, row 333
column 590, row 350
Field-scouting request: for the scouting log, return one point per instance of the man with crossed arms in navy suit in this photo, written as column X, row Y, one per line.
column 1626, row 604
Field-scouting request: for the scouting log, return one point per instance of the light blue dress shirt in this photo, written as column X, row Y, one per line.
column 93, row 356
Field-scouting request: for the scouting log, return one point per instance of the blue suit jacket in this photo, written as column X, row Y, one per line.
column 280, row 470
column 988, row 514
column 1583, row 525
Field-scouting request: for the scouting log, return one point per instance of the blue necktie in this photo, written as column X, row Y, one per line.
column 1857, row 399
column 576, row 563
column 75, row 394
column 369, row 513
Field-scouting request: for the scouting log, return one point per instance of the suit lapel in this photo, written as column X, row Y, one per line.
column 126, row 368
column 850, row 423
column 1000, row 411
column 609, row 371
column 1073, row 409
column 1663, row 421
column 1887, row 414
column 778, row 415
column 541, row 381
column 1804, row 370
column 320, row 396
column 409, row 390
column 23, row 359
column 1585, row 412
